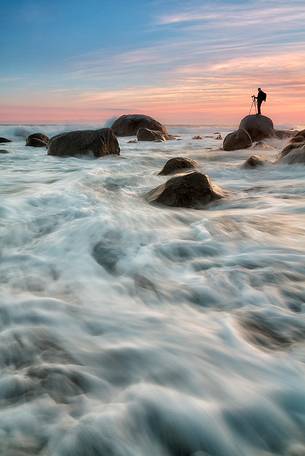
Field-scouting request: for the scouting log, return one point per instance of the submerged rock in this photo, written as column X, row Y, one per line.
column 129, row 124
column 176, row 164
column 270, row 332
column 4, row 140
column 145, row 134
column 194, row 190
column 85, row 142
column 258, row 126
column 37, row 140
column 239, row 139
column 4, row 151
column 254, row 161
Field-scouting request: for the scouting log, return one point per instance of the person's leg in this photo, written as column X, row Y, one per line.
column 259, row 107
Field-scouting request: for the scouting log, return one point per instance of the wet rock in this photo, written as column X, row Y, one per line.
column 194, row 190
column 197, row 137
column 177, row 164
column 254, row 162
column 129, row 124
column 238, row 139
column 294, row 156
column 132, row 141
column 96, row 143
column 218, row 137
column 258, row 126
column 5, row 140
column 4, row 151
column 297, row 139
column 145, row 134
column 37, row 140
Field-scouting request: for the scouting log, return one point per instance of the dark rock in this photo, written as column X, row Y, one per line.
column 129, row 124
column 5, row 140
column 300, row 133
column 3, row 151
column 290, row 147
column 197, row 137
column 85, row 142
column 254, row 161
column 174, row 165
column 193, row 190
column 294, row 156
column 258, row 126
column 37, row 140
column 132, row 141
column 145, row 134
column 238, row 139
column 218, row 137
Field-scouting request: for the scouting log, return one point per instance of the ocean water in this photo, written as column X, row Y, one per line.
column 134, row 330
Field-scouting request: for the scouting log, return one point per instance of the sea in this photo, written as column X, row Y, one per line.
column 130, row 329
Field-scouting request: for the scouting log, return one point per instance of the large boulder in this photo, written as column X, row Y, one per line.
column 258, row 126
column 85, row 142
column 37, row 140
column 176, row 165
column 254, row 162
column 239, row 139
column 129, row 124
column 145, row 134
column 4, row 140
column 194, row 190
column 295, row 156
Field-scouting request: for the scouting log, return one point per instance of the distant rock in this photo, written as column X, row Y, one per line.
column 197, row 137
column 218, row 137
column 176, row 165
column 4, row 140
column 258, row 126
column 145, row 134
column 37, row 140
column 132, row 141
column 4, row 151
column 254, row 161
column 294, row 156
column 96, row 143
column 129, row 124
column 194, row 190
column 236, row 140
column 284, row 134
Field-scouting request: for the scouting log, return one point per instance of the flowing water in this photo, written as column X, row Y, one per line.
column 135, row 330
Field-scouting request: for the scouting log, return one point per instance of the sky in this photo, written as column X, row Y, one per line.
column 183, row 62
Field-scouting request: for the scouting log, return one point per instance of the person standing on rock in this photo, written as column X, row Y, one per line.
column 261, row 96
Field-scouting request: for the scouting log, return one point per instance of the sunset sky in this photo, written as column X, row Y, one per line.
column 190, row 61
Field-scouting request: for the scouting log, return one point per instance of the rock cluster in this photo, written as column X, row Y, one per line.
column 251, row 128
column 129, row 125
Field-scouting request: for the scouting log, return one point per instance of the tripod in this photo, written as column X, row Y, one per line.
column 253, row 104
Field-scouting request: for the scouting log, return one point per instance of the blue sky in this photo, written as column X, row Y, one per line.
column 180, row 60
